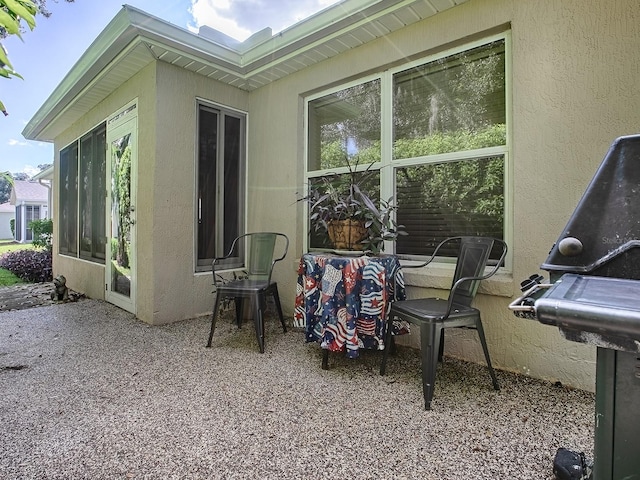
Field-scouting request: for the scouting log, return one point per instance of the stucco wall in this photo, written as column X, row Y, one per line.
column 574, row 84
column 178, row 292
column 89, row 277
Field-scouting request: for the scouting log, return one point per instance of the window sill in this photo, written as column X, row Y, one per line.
column 439, row 277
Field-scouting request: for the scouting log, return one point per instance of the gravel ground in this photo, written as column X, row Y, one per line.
column 89, row 392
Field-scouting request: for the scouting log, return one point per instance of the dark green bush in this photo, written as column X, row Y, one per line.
column 29, row 265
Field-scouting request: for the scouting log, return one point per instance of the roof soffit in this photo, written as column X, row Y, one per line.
column 134, row 38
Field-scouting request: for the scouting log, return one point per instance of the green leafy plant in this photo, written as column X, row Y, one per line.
column 29, row 265
column 12, row 12
column 337, row 197
column 42, row 233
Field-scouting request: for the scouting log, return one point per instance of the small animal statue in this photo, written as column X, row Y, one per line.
column 61, row 292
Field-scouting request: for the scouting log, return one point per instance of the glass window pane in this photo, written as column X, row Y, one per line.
column 232, row 172
column 344, row 127
column 221, row 170
column 98, row 194
column 68, row 210
column 207, row 178
column 452, row 104
column 439, row 200
column 92, row 194
column 86, row 158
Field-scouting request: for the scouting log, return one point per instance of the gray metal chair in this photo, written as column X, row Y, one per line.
column 433, row 315
column 261, row 256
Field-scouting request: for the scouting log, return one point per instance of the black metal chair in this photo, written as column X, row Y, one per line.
column 433, row 315
column 261, row 256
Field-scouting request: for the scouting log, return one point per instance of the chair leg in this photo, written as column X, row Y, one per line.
column 483, row 341
column 441, row 347
column 429, row 345
column 238, row 302
column 325, row 359
column 258, row 321
column 388, row 343
column 214, row 314
column 276, row 300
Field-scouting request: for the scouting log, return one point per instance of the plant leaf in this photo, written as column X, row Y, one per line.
column 4, row 60
column 10, row 24
column 21, row 11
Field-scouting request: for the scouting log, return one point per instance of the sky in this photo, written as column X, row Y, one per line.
column 46, row 54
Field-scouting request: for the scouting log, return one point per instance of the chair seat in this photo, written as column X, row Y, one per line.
column 244, row 287
column 432, row 309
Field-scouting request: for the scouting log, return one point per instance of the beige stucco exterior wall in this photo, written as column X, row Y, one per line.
column 178, row 293
column 167, row 288
column 574, row 76
column 573, row 72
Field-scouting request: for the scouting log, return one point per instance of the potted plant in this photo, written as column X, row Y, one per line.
column 341, row 207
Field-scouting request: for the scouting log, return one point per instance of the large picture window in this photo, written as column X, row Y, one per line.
column 443, row 148
column 81, row 220
column 221, row 182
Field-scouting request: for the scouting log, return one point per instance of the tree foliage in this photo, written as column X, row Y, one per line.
column 12, row 15
column 6, row 183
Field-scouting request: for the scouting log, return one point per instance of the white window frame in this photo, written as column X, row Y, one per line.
column 242, row 209
column 388, row 165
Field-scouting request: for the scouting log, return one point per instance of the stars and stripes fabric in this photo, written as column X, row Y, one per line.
column 343, row 302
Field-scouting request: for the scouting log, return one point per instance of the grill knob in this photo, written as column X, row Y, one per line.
column 570, row 247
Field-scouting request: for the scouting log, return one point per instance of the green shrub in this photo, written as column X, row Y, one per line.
column 42, row 233
column 12, row 222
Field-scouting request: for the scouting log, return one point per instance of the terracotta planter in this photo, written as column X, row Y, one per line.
column 347, row 234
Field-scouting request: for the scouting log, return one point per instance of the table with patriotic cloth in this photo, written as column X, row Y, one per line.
column 342, row 301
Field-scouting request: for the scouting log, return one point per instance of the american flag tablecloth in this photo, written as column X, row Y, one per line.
column 343, row 302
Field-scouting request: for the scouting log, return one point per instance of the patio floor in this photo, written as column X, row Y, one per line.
column 90, row 392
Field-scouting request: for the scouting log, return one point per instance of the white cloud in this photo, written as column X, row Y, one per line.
column 17, row 143
column 241, row 18
column 30, row 170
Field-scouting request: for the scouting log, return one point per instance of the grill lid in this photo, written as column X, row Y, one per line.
column 603, row 234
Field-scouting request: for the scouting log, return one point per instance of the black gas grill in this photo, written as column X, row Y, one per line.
column 593, row 296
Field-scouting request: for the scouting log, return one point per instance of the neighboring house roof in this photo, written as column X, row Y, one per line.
column 28, row 192
column 7, row 208
column 133, row 39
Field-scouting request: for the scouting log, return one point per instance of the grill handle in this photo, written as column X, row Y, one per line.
column 524, row 306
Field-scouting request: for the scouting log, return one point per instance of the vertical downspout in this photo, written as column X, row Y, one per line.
column 42, row 181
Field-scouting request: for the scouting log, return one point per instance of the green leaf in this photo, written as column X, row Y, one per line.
column 17, row 8
column 4, row 59
column 29, row 5
column 10, row 24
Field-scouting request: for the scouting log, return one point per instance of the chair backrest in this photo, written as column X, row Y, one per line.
column 472, row 260
column 262, row 254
